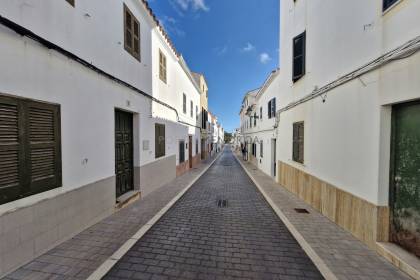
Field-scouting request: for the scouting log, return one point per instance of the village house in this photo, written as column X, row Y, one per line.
column 97, row 107
column 259, row 115
column 348, row 116
column 343, row 118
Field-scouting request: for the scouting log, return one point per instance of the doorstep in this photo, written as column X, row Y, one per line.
column 399, row 257
column 336, row 252
column 127, row 198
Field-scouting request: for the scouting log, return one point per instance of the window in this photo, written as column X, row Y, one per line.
column 30, row 148
column 131, row 34
column 388, row 3
column 261, row 113
column 192, row 109
column 162, row 67
column 261, row 149
column 204, row 118
column 71, row 2
column 196, row 146
column 196, row 113
column 250, row 122
column 299, row 56
column 298, row 141
column 271, row 108
column 184, row 103
column 254, row 149
column 255, row 119
column 181, row 151
column 159, row 140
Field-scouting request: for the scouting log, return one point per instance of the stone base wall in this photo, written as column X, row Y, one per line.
column 182, row 168
column 366, row 221
column 30, row 231
column 156, row 174
column 196, row 160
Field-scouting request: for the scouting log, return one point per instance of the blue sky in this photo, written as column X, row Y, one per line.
column 234, row 43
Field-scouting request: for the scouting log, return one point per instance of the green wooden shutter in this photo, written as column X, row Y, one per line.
column 295, row 142
column 162, row 142
column 301, row 141
column 30, row 148
column 10, row 150
column 157, row 141
column 44, row 155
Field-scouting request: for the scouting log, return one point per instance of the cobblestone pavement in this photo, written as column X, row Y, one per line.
column 346, row 256
column 201, row 237
column 81, row 255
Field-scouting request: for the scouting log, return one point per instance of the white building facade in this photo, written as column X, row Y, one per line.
column 96, row 105
column 348, row 114
column 258, row 122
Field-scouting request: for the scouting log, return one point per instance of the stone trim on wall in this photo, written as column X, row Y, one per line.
column 366, row 221
column 30, row 231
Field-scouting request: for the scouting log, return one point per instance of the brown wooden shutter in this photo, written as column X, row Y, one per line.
column 128, row 30
column 9, row 150
column 44, row 146
column 136, row 39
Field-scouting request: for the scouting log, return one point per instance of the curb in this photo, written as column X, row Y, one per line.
column 318, row 262
column 108, row 264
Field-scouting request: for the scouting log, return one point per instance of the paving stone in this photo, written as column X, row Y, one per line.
column 346, row 256
column 200, row 240
column 79, row 256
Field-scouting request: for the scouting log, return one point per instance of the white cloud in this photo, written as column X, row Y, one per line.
column 195, row 5
column 171, row 26
column 221, row 50
column 248, row 48
column 264, row 58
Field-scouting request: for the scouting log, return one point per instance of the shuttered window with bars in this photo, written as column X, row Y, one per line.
column 159, row 140
column 30, row 148
column 298, row 141
column 131, row 34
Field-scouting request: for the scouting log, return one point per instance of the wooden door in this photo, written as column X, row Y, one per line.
column 190, row 145
column 123, row 152
column 405, row 177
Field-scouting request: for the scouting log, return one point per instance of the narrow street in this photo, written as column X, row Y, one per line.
column 222, row 228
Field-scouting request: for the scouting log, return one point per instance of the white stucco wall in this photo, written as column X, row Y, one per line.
column 87, row 99
column 347, row 138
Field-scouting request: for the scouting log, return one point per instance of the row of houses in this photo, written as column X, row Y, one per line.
column 338, row 124
column 97, row 107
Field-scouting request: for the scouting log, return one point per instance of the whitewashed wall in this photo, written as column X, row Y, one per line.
column 347, row 137
column 88, row 100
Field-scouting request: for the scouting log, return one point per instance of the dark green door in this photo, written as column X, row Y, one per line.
column 123, row 152
column 405, row 177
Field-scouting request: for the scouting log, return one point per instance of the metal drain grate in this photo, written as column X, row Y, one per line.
column 301, row 211
column 222, row 203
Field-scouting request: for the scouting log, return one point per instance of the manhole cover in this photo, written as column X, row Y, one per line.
column 222, row 203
